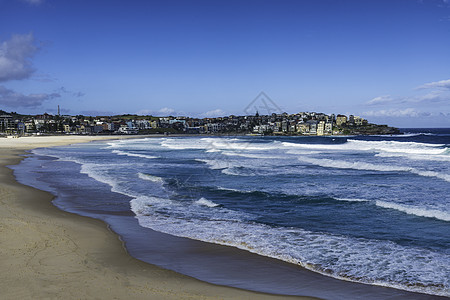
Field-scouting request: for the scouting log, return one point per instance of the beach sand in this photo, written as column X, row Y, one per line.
column 46, row 253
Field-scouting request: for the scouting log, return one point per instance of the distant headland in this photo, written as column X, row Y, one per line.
column 303, row 123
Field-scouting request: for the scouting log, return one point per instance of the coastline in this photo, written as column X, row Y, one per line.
column 49, row 253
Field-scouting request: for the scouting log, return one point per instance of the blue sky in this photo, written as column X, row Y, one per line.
column 387, row 61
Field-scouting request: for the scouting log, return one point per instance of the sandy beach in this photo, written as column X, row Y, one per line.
column 46, row 253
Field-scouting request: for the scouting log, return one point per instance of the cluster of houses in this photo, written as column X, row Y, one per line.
column 305, row 123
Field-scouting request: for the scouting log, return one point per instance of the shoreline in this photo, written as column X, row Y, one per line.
column 79, row 249
column 50, row 253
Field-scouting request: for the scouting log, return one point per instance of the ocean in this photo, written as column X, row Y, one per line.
column 373, row 210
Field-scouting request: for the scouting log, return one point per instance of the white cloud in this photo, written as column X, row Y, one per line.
column 166, row 110
column 439, row 93
column 434, row 96
column 407, row 112
column 443, row 84
column 381, row 100
column 145, row 112
column 15, row 57
column 213, row 113
column 13, row 99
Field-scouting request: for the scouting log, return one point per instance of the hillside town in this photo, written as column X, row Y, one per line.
column 304, row 123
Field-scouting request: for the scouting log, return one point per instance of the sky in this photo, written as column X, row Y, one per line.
column 386, row 61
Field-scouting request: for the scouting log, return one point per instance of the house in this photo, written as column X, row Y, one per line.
column 321, row 128
column 312, row 127
column 7, row 123
column 341, row 120
column 303, row 128
column 328, row 128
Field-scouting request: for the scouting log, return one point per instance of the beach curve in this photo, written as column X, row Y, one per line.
column 49, row 253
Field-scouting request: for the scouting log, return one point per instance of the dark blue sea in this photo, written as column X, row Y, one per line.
column 368, row 209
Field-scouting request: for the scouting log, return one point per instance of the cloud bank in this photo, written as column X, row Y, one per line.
column 430, row 102
column 443, row 84
column 213, row 113
column 15, row 57
column 13, row 99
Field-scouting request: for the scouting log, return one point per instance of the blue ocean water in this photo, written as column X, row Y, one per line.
column 373, row 210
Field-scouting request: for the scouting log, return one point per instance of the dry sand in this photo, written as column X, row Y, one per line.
column 46, row 253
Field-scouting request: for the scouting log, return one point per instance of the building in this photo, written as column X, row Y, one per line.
column 341, row 120
column 328, row 128
column 359, row 121
column 312, row 127
column 321, row 128
column 7, row 124
column 303, row 128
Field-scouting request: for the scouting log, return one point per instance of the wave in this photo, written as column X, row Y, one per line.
column 411, row 210
column 119, row 152
column 240, row 145
column 184, row 144
column 352, row 200
column 150, row 178
column 133, row 144
column 356, row 165
column 417, row 211
column 438, row 157
column 249, row 155
column 399, row 147
column 377, row 146
column 95, row 171
column 355, row 259
column 218, row 144
column 215, row 164
column 206, row 202
column 236, row 190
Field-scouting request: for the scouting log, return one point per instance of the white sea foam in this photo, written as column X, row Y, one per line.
column 150, row 178
column 408, row 209
column 399, row 147
column 119, row 152
column 97, row 172
column 234, row 190
column 424, row 173
column 206, row 202
column 363, row 260
column 355, row 259
column 250, row 155
column 376, row 146
column 412, row 210
column 434, row 157
column 148, row 144
column 184, row 144
column 357, row 165
column 352, row 200
column 215, row 164
column 236, row 145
